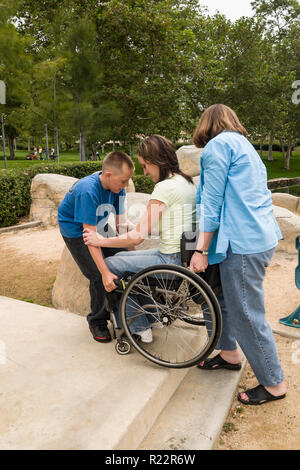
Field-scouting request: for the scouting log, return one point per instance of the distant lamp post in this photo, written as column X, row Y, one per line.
column 3, row 101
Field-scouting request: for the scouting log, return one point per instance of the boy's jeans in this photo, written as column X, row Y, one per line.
column 87, row 266
column 134, row 262
column 243, row 314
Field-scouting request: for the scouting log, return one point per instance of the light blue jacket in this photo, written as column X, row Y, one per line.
column 233, row 199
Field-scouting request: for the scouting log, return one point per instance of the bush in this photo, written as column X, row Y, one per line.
column 15, row 186
column 15, row 198
column 265, row 147
column 143, row 184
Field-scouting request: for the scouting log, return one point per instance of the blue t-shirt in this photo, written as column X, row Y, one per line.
column 87, row 202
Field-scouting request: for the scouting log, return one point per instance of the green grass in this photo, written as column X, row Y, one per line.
column 275, row 169
column 65, row 157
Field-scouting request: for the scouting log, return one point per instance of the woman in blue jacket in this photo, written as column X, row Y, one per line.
column 238, row 230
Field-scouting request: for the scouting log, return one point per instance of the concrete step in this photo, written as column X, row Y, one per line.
column 60, row 389
column 194, row 416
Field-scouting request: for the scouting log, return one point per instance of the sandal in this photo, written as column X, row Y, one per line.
column 218, row 362
column 258, row 396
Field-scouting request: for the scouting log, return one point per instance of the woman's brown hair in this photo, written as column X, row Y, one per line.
column 214, row 120
column 161, row 152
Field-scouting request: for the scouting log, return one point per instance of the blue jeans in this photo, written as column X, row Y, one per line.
column 86, row 264
column 134, row 262
column 243, row 313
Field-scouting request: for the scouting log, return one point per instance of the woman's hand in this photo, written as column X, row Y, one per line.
column 198, row 263
column 91, row 237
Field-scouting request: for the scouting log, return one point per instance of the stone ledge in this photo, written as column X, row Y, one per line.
column 282, row 182
column 27, row 225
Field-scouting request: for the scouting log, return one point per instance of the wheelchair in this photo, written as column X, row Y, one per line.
column 181, row 307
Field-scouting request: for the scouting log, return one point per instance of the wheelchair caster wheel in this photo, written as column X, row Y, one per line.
column 123, row 347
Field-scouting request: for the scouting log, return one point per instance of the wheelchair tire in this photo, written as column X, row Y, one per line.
column 188, row 330
column 123, row 347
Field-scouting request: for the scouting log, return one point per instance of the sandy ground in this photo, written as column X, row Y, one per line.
column 29, row 261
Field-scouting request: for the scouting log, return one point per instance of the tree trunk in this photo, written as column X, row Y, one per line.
column 282, row 149
column 94, row 150
column 55, row 138
column 47, row 143
column 261, row 149
column 131, row 151
column 82, row 147
column 11, row 148
column 288, row 156
column 56, row 143
column 270, row 155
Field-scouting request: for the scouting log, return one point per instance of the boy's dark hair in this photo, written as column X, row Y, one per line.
column 116, row 160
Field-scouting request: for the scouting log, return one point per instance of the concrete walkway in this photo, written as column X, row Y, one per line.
column 60, row 389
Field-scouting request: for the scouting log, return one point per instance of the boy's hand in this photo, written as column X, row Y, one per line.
column 108, row 281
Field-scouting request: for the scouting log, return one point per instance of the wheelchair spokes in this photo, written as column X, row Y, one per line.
column 185, row 330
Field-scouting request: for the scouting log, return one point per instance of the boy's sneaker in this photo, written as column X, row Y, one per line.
column 145, row 336
column 100, row 333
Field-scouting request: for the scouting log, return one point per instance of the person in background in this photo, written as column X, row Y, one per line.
column 52, row 154
column 238, row 230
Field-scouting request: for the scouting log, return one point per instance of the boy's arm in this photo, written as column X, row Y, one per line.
column 107, row 276
column 148, row 222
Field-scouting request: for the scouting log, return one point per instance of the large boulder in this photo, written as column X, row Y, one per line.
column 289, row 224
column 189, row 159
column 47, row 192
column 287, row 201
column 71, row 288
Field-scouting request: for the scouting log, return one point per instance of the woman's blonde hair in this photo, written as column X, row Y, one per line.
column 214, row 120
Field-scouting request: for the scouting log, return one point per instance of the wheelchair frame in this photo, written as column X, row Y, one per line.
column 125, row 339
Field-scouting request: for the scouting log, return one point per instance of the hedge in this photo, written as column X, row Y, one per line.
column 15, row 198
column 265, row 147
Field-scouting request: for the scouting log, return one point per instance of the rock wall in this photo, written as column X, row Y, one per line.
column 47, row 192
column 189, row 159
column 289, row 224
column 287, row 201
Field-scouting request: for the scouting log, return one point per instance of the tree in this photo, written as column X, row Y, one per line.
column 145, row 47
column 15, row 63
column 277, row 15
column 281, row 20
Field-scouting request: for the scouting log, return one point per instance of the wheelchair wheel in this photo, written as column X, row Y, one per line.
column 182, row 310
column 123, row 347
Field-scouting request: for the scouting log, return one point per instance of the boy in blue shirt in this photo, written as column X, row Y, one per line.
column 88, row 204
